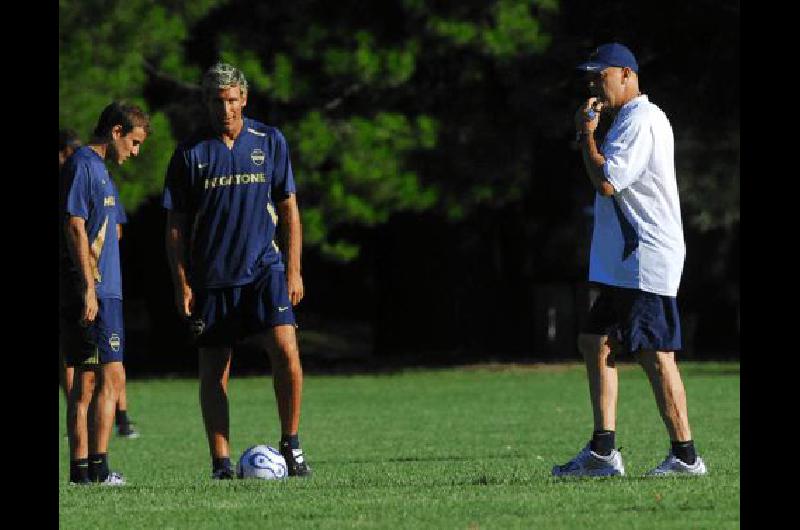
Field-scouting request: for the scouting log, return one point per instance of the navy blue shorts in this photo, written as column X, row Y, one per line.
column 229, row 314
column 636, row 319
column 100, row 342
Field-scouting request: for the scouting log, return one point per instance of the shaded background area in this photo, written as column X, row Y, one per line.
column 447, row 217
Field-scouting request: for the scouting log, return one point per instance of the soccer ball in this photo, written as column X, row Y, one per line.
column 261, row 461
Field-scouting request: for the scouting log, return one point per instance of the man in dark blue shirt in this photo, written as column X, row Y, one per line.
column 91, row 325
column 227, row 189
column 68, row 143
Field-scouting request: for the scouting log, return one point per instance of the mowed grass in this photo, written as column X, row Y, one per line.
column 456, row 448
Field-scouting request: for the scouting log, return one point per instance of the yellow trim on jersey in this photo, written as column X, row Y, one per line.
column 97, row 249
column 271, row 210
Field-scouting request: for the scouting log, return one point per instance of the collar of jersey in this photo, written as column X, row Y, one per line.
column 217, row 136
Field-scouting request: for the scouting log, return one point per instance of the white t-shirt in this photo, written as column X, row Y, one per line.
column 638, row 234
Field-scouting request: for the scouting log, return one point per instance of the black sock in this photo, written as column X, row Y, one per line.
column 221, row 463
column 685, row 451
column 121, row 417
column 79, row 470
column 98, row 467
column 602, row 442
column 291, row 440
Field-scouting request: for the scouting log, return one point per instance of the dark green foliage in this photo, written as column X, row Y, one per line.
column 389, row 106
column 106, row 50
column 346, row 90
column 455, row 113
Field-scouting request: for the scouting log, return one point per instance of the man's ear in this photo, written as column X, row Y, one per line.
column 627, row 73
column 116, row 132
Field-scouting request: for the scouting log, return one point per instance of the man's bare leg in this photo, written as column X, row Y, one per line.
column 66, row 374
column 215, row 364
column 78, row 413
column 601, row 371
column 599, row 458
column 287, row 376
column 78, row 424
column 100, row 419
column 665, row 379
column 106, row 403
column 69, row 378
column 122, row 402
column 124, row 426
column 287, row 380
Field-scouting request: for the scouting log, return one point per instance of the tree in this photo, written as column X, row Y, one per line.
column 106, row 50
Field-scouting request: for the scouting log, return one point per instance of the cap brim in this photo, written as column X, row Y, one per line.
column 592, row 66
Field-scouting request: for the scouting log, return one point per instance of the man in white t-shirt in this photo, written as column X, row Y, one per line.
column 636, row 260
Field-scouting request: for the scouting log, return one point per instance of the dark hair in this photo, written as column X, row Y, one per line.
column 68, row 138
column 124, row 114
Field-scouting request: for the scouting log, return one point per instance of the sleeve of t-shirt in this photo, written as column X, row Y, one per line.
column 282, row 178
column 79, row 191
column 628, row 153
column 176, row 183
column 121, row 217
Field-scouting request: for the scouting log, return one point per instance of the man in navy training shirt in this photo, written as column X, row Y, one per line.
column 227, row 189
column 68, row 143
column 92, row 333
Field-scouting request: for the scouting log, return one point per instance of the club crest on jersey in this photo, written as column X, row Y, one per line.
column 257, row 156
column 114, row 341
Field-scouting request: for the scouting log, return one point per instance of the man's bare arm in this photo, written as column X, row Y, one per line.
column 593, row 159
column 291, row 241
column 175, row 242
column 78, row 243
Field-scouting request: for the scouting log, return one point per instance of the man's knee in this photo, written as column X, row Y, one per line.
column 593, row 346
column 214, row 365
column 656, row 361
column 283, row 346
column 112, row 378
column 83, row 387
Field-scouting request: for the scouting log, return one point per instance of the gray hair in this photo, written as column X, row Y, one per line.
column 221, row 76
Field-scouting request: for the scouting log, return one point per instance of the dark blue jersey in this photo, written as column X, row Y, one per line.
column 122, row 217
column 87, row 191
column 228, row 197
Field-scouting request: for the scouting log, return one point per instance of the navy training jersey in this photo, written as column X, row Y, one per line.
column 87, row 191
column 228, row 196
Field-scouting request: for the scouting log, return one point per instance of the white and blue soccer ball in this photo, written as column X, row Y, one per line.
column 263, row 462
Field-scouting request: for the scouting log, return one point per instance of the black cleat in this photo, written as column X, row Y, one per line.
column 126, row 430
column 296, row 465
column 224, row 473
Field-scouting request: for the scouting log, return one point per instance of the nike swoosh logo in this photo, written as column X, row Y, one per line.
column 282, row 309
column 201, row 166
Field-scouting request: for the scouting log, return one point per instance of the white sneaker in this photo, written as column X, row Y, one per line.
column 675, row 466
column 113, row 479
column 590, row 464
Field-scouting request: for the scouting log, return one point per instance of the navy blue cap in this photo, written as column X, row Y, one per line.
column 613, row 54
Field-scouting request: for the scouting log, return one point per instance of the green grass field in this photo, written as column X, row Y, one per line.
column 457, row 448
